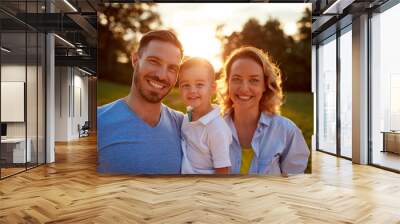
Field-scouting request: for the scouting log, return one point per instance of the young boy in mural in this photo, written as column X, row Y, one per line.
column 205, row 135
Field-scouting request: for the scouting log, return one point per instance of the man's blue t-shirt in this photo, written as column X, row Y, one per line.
column 126, row 144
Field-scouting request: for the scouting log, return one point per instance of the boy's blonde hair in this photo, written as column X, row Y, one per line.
column 192, row 61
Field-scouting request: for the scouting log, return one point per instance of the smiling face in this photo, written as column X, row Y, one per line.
column 196, row 87
column 155, row 70
column 246, row 84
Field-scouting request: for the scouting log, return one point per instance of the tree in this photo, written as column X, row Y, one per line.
column 304, row 25
column 303, row 49
column 291, row 54
column 251, row 33
column 229, row 43
column 120, row 28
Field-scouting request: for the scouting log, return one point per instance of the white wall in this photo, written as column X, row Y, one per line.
column 80, row 110
column 61, row 103
column 12, row 101
column 12, row 73
column 71, row 93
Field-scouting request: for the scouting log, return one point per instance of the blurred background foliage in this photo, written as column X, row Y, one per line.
column 122, row 25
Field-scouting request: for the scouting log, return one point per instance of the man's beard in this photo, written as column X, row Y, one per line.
column 151, row 97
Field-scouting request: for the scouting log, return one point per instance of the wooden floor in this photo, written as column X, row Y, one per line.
column 10, row 171
column 70, row 191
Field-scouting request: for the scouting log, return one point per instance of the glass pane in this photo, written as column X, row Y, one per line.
column 13, row 85
column 385, row 84
column 41, row 99
column 327, row 97
column 31, row 100
column 346, row 94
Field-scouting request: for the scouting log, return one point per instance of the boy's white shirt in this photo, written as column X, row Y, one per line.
column 205, row 143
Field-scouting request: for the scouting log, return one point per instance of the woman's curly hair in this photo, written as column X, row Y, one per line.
column 271, row 100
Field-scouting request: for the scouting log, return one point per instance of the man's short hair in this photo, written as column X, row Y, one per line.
column 193, row 61
column 161, row 35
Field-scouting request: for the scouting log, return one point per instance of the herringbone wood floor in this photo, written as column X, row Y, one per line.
column 70, row 191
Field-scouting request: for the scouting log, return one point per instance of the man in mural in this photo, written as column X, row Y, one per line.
column 138, row 134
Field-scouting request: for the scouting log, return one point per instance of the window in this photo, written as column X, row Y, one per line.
column 327, row 96
column 385, row 89
column 346, row 93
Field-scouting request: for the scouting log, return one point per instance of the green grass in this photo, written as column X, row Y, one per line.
column 108, row 92
column 298, row 106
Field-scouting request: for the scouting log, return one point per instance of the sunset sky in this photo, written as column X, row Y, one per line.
column 195, row 23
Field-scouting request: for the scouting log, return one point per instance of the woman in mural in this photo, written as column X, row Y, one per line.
column 251, row 96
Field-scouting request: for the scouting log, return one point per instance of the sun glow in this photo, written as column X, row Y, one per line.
column 201, row 42
column 290, row 28
column 195, row 24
